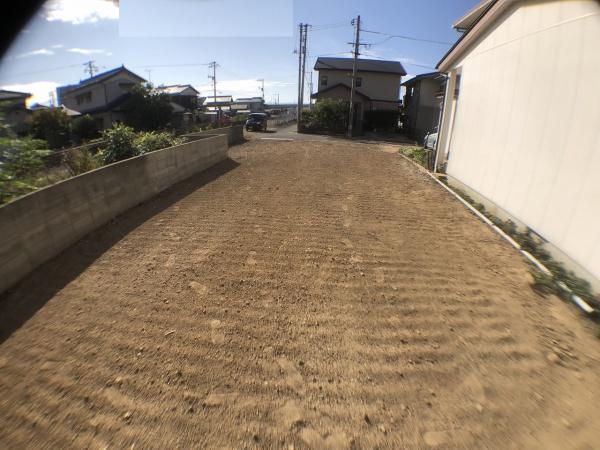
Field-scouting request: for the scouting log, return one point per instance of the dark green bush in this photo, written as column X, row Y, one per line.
column 327, row 115
column 147, row 109
column 119, row 144
column 85, row 128
column 53, row 125
column 152, row 140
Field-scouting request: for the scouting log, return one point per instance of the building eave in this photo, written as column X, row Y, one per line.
column 493, row 10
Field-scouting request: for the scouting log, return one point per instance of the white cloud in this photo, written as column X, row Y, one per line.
column 57, row 46
column 38, row 52
column 80, row 11
column 88, row 51
column 40, row 90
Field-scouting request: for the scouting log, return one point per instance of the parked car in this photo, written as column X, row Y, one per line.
column 257, row 122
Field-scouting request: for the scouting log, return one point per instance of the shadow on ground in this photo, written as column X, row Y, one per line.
column 23, row 300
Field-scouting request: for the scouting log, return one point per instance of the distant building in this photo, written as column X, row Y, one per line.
column 102, row 95
column 13, row 108
column 249, row 105
column 212, row 105
column 377, row 84
column 423, row 104
column 184, row 101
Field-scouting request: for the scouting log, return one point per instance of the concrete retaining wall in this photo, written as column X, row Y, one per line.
column 40, row 225
column 235, row 135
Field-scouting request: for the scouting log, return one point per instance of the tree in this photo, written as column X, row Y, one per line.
column 53, row 125
column 85, row 128
column 147, row 110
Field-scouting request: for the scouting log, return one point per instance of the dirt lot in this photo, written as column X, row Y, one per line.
column 301, row 295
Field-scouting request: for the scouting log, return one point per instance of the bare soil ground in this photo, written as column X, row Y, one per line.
column 302, row 295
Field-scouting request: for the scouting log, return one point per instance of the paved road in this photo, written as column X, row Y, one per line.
column 302, row 295
column 286, row 133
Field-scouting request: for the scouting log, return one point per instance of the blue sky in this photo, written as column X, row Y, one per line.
column 259, row 44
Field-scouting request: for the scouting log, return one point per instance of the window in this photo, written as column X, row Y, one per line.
column 324, row 80
column 457, row 86
column 84, row 98
column 358, row 81
column 126, row 87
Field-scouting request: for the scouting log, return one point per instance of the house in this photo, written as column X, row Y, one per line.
column 377, row 84
column 102, row 95
column 423, row 104
column 213, row 105
column 184, row 101
column 13, row 107
column 68, row 112
column 249, row 105
column 520, row 121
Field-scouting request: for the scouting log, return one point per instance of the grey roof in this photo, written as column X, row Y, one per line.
column 176, row 89
column 363, row 65
column 422, row 76
column 11, row 95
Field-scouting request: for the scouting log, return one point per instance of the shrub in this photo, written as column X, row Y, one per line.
column 22, row 160
column 85, row 128
column 53, row 125
column 150, row 141
column 81, row 161
column 119, row 144
column 417, row 154
column 327, row 115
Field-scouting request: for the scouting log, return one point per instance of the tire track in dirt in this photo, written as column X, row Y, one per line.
column 319, row 295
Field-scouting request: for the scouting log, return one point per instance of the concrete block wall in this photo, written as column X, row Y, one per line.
column 40, row 225
column 235, row 134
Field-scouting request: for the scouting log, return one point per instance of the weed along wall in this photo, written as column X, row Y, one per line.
column 40, row 225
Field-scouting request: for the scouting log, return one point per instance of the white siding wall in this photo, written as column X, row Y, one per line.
column 527, row 125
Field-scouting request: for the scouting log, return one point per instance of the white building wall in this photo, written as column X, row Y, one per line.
column 526, row 132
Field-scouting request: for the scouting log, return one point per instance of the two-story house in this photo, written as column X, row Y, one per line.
column 377, row 83
column 423, row 102
column 102, row 95
column 13, row 108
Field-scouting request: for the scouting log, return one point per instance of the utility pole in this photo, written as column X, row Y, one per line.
column 310, row 90
column 213, row 65
column 90, row 68
column 262, row 87
column 303, row 64
column 356, row 23
column 149, row 72
column 299, row 109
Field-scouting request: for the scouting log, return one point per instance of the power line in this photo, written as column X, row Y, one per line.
column 410, row 38
column 172, row 65
column 46, row 70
